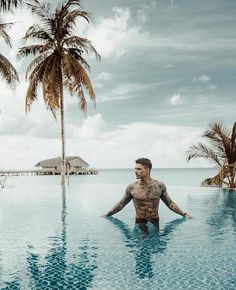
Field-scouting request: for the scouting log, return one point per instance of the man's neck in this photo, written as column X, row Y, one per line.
column 146, row 180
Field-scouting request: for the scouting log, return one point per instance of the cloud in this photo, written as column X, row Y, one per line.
column 205, row 80
column 104, row 76
column 202, row 78
column 175, row 99
column 91, row 126
column 143, row 12
column 123, row 91
column 114, row 35
column 213, row 87
column 117, row 34
column 165, row 145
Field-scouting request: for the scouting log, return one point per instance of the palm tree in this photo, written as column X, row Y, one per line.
column 8, row 4
column 7, row 70
column 59, row 60
column 221, row 150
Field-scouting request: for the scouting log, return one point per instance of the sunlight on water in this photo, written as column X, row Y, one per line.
column 51, row 239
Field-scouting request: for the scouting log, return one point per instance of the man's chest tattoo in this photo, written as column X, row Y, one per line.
column 146, row 192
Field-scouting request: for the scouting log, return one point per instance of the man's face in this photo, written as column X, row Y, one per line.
column 141, row 171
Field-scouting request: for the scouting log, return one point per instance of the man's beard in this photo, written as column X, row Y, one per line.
column 137, row 176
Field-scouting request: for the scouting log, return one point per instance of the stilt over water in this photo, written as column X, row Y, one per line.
column 83, row 171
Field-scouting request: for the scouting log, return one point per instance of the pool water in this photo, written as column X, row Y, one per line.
column 55, row 239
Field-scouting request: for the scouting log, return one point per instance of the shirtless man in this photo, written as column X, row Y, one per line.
column 146, row 193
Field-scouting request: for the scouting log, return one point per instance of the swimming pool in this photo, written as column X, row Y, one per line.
column 58, row 240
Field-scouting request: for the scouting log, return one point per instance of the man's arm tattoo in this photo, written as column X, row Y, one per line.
column 121, row 204
column 170, row 203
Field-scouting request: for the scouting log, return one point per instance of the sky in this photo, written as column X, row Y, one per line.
column 168, row 70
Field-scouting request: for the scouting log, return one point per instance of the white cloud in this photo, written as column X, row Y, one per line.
column 202, row 78
column 144, row 10
column 128, row 88
column 114, row 35
column 124, row 91
column 175, row 99
column 104, row 76
column 91, row 126
column 97, row 85
column 213, row 87
column 164, row 145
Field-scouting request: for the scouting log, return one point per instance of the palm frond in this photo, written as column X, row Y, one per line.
column 31, row 94
column 33, row 50
column 44, row 74
column 76, row 77
column 220, row 135
column 35, row 78
column 38, row 33
column 221, row 149
column 217, row 180
column 83, row 102
column 4, row 34
column 69, row 20
column 50, row 98
column 38, row 71
column 76, row 53
column 37, row 61
column 42, row 10
column 8, row 4
column 83, row 44
column 202, row 151
column 214, row 140
column 8, row 72
column 51, row 82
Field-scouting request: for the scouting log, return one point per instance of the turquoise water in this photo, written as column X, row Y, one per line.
column 58, row 240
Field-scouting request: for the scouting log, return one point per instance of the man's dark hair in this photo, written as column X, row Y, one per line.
column 145, row 162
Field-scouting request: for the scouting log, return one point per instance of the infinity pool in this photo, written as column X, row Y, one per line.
column 52, row 239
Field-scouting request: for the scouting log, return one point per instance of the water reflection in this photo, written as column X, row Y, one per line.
column 224, row 215
column 15, row 284
column 144, row 248
column 57, row 271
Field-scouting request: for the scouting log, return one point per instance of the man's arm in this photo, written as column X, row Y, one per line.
column 121, row 204
column 171, row 204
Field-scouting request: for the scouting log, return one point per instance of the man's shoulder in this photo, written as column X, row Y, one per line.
column 133, row 184
column 158, row 183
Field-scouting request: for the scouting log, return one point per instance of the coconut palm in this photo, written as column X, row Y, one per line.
column 221, row 150
column 59, row 60
column 7, row 70
column 8, row 4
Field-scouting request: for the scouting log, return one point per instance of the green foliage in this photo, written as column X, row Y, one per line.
column 221, row 150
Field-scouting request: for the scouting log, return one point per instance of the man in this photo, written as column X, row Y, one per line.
column 146, row 194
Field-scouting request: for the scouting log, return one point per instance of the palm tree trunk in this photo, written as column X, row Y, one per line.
column 62, row 138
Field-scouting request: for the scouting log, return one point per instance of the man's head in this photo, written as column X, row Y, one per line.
column 143, row 167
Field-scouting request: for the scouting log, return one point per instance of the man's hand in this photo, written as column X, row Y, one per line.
column 104, row 215
column 188, row 216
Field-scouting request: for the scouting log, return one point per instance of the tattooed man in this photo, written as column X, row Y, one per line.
column 146, row 193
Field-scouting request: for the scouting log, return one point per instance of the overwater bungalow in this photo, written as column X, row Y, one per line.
column 74, row 165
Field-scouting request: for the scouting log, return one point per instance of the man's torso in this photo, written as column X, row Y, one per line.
column 146, row 198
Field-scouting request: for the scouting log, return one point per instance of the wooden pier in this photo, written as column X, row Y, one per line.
column 18, row 172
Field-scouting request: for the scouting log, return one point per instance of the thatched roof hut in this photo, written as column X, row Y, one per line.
column 72, row 163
